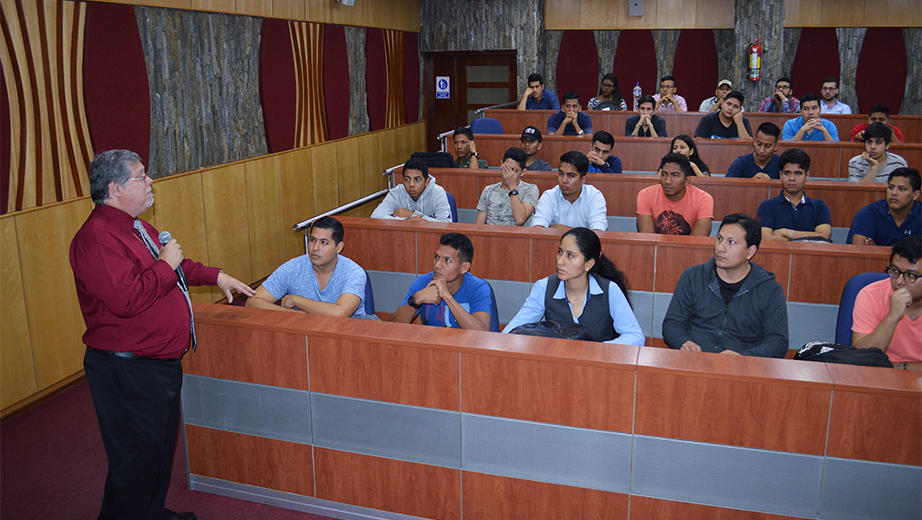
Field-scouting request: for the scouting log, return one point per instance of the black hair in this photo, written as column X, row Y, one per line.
column 878, row 131
column 832, row 80
column 616, row 93
column 807, row 98
column 880, row 109
column 603, row 137
column 107, row 167
column 646, row 99
column 737, row 95
column 517, row 155
column 577, row 160
column 695, row 157
column 465, row 131
column 909, row 248
column 677, row 158
column 795, row 156
column 590, row 247
column 571, row 95
column 751, row 226
column 534, row 76
column 667, row 78
column 415, row 163
column 770, row 129
column 785, row 79
column 460, row 243
column 335, row 227
column 915, row 181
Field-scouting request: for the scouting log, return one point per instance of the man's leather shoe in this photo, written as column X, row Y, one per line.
column 184, row 516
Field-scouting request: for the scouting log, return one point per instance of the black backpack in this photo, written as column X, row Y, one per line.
column 435, row 159
column 832, row 353
column 554, row 329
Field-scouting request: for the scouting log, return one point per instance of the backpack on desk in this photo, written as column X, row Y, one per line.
column 832, row 353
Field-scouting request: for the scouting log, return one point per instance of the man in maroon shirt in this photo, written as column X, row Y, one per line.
column 138, row 327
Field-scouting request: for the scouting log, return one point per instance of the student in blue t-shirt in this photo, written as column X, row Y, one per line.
column 536, row 97
column 449, row 296
column 763, row 162
column 320, row 282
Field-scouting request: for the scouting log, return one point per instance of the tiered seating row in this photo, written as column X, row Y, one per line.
column 828, row 160
column 685, row 123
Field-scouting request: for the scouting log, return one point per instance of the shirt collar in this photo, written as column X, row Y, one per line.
column 119, row 218
column 804, row 201
column 594, row 288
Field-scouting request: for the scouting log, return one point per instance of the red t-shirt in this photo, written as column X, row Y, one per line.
column 864, row 126
column 675, row 218
column 871, row 306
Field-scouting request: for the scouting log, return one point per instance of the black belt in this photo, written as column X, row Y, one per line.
column 129, row 355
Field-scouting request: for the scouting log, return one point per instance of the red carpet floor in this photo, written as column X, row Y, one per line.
column 53, row 466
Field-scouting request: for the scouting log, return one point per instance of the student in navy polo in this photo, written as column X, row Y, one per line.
column 792, row 214
column 899, row 215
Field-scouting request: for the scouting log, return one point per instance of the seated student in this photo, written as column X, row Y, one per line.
column 685, row 145
column 319, row 282
column 593, row 293
column 791, row 214
column 601, row 160
column 878, row 114
column 570, row 118
column 667, row 100
column 831, row 103
column 512, row 201
column 763, row 162
column 449, row 296
column 418, row 197
column 809, row 126
column 782, row 100
column 609, row 97
column 726, row 123
column 729, row 304
column 876, row 163
column 536, row 97
column 888, row 313
column 572, row 203
column 466, row 150
column 645, row 123
column 887, row 221
column 674, row 207
column 531, row 145
column 712, row 104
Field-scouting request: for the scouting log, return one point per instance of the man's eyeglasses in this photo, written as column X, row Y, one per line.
column 141, row 178
column 909, row 277
column 826, row 89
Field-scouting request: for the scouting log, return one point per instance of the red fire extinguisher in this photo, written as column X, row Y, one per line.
column 755, row 61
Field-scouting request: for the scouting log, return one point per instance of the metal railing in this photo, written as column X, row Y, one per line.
column 480, row 111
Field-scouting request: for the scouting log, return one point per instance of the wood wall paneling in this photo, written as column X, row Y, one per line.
column 254, row 7
column 488, row 496
column 224, row 194
column 250, row 360
column 56, row 324
column 735, row 413
column 248, row 459
column 710, row 14
column 646, row 507
column 297, row 196
column 265, row 218
column 389, row 485
column 220, row 6
column 179, row 208
column 288, row 9
column 349, row 162
column 370, row 170
column 326, row 178
column 382, row 372
column 17, row 373
column 547, row 392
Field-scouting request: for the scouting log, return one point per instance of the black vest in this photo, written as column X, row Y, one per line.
column 596, row 315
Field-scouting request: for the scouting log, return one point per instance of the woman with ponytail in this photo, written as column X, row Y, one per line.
column 588, row 289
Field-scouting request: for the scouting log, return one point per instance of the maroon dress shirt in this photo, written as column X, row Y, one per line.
column 129, row 299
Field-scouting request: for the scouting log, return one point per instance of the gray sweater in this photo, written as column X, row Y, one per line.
column 432, row 203
column 754, row 323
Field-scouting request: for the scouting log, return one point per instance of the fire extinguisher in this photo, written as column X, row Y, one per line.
column 755, row 61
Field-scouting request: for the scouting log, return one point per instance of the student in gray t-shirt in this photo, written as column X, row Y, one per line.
column 512, row 201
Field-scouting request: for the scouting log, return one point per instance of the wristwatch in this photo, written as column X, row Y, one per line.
column 513, row 192
column 581, row 132
column 412, row 302
column 477, row 155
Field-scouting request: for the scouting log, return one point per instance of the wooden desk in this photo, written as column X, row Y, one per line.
column 514, row 121
column 730, row 195
column 378, row 416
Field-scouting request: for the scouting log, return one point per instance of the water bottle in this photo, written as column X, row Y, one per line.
column 637, row 94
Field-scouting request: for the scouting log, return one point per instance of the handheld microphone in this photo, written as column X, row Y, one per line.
column 165, row 237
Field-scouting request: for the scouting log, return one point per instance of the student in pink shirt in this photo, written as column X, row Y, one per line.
column 674, row 207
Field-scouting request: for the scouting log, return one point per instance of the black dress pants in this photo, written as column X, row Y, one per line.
column 137, row 405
